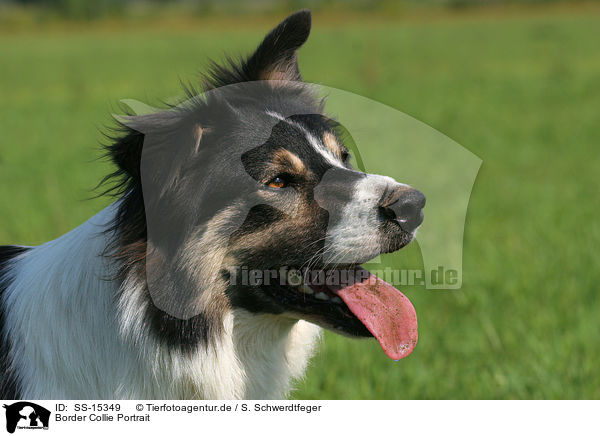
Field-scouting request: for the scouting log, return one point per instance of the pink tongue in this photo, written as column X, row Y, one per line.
column 385, row 311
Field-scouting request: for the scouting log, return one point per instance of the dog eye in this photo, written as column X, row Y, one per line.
column 277, row 183
column 345, row 156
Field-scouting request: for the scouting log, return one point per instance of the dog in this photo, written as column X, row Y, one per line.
column 149, row 298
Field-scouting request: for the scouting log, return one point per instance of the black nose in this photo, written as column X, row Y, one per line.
column 403, row 205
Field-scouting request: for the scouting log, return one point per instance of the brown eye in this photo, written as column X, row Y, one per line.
column 277, row 183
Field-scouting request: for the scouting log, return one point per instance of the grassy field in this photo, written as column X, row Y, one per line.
column 522, row 91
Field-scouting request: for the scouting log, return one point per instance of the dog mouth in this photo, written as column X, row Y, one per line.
column 353, row 302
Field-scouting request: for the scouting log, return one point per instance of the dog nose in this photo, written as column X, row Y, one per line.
column 403, row 205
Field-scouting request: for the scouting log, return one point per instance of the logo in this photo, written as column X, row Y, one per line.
column 26, row 415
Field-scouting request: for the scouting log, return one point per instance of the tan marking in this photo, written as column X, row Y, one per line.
column 332, row 144
column 274, row 75
column 285, row 71
column 286, row 158
column 198, row 137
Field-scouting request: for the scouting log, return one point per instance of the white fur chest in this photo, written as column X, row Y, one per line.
column 72, row 340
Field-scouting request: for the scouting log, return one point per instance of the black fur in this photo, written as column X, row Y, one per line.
column 9, row 388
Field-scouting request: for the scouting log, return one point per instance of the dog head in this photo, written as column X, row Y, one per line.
column 254, row 178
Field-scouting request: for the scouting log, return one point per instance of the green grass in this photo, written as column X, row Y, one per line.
column 521, row 92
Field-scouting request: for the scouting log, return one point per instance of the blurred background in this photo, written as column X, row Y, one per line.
column 515, row 82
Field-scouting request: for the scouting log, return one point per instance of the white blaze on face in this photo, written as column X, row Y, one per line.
column 353, row 236
column 317, row 143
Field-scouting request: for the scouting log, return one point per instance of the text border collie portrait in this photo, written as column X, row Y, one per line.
column 141, row 302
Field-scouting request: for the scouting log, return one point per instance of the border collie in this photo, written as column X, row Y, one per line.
column 149, row 298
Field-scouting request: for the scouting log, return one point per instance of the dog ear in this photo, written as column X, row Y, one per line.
column 276, row 57
column 155, row 143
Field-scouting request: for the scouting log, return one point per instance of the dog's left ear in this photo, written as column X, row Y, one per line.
column 276, row 57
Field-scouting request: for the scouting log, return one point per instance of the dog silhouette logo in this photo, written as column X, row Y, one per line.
column 26, row 415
